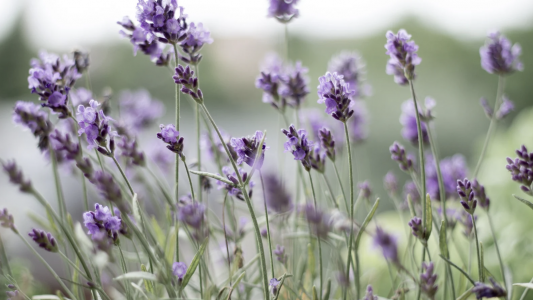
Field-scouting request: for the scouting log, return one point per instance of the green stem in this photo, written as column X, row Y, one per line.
column 177, row 121
column 70, row 262
column 340, row 184
column 480, row 267
column 492, row 125
column 497, row 248
column 5, row 261
column 526, row 290
column 350, row 168
column 198, row 136
column 123, row 174
column 423, row 259
column 63, row 286
column 286, row 41
column 318, row 240
column 330, row 191
column 248, row 203
column 188, row 176
column 59, row 191
column 267, row 223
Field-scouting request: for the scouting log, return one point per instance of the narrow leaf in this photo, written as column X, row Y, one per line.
column 45, row 297
column 465, row 295
column 136, row 276
column 315, row 297
column 428, row 222
column 214, row 176
column 194, row 264
column 482, row 261
column 238, row 280
column 328, row 290
column 311, row 260
column 443, row 244
column 136, row 209
column 411, row 206
column 459, row 269
column 139, row 289
column 526, row 202
column 366, row 222
column 527, row 285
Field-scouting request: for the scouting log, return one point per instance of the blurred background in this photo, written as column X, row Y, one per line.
column 449, row 34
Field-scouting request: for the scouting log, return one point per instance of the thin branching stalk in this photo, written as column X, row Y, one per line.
column 340, row 184
column 267, row 223
column 492, row 125
column 188, row 176
column 479, row 265
column 320, row 267
column 350, row 173
column 123, row 174
column 502, row 270
column 177, row 121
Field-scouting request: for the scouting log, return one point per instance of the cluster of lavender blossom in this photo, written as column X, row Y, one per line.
column 143, row 236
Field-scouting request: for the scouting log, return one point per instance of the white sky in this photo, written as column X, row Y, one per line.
column 67, row 23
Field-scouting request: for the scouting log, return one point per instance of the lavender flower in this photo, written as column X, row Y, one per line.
column 108, row 188
column 506, row 108
column 13, row 295
column 192, row 214
column 351, row 66
column 315, row 120
column 298, row 145
column 277, row 199
column 44, row 240
column 6, row 220
column 163, row 19
column 197, row 36
column 170, row 135
column 63, row 145
column 270, row 82
column 295, row 85
column 464, row 189
column 480, row 195
column 335, row 93
column 483, row 290
column 403, row 57
column 317, row 159
column 185, row 77
column 327, row 143
column 16, row 177
column 410, row 189
column 129, row 150
column 145, row 41
column 390, row 183
column 364, row 189
column 399, row 155
column 102, row 226
column 499, row 57
column 95, row 125
column 418, row 230
column 179, row 269
column 233, row 189
column 284, row 11
column 52, row 78
column 138, row 110
column 408, row 121
column 370, row 293
column 358, row 121
column 281, row 256
column 452, row 169
column 247, row 147
column 428, row 280
column 81, row 96
column 29, row 115
column 320, row 222
column 522, row 169
column 273, row 284
column 388, row 245
column 124, row 230
column 81, row 60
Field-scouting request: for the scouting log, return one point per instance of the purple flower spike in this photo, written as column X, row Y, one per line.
column 466, row 193
column 336, row 94
column 388, row 245
column 506, row 108
column 233, row 189
column 390, row 183
column 278, row 199
column 403, row 57
column 521, row 169
column 352, row 67
column 45, row 240
column 295, row 85
column 13, row 295
column 179, row 269
column 370, row 294
column 408, row 121
column 319, row 221
column 498, row 56
column 299, row 145
column 170, row 136
column 270, row 81
column 428, row 280
column 108, row 188
column 417, row 229
column 364, row 189
column 464, row 219
column 480, row 195
column 64, row 146
column 102, row 226
column 192, row 214
column 6, row 220
column 327, row 142
column 247, row 147
column 273, row 284
column 16, row 177
column 399, row 155
column 164, row 19
column 281, row 256
column 283, row 10
column 185, row 77
column 29, row 115
column 95, row 124
column 452, row 168
column 197, row 36
column 483, row 290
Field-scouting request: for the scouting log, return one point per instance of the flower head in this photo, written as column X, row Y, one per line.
column 390, row 182
column 327, row 142
column 295, row 85
column 364, row 189
column 192, row 214
column 498, row 56
column 273, row 285
column 521, row 169
column 170, row 136
column 102, row 226
column 320, row 222
column 270, row 82
column 109, row 189
column 417, row 229
column 281, row 256
column 277, row 199
column 233, row 188
column 335, row 93
column 247, row 148
column 298, row 145
column 483, row 290
column 163, row 19
column 403, row 56
column 351, row 66
column 6, row 220
column 388, row 245
column 399, row 155
column 95, row 124
column 179, row 269
column 45, row 240
column 283, row 10
column 196, row 37
column 480, row 195
column 185, row 77
column 408, row 121
column 16, row 177
column 428, row 280
column 370, row 294
column 29, row 115
column 452, row 169
column 466, row 193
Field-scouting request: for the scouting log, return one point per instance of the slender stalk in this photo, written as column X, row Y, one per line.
column 330, row 191
column 526, row 290
column 442, row 193
column 83, row 182
column 267, row 223
column 125, row 271
column 70, row 262
column 350, row 168
column 340, row 184
column 423, row 259
column 57, row 181
column 5, row 261
column 497, row 248
column 248, row 203
column 198, row 134
column 189, row 176
column 286, row 35
column 319, row 243
column 480, row 267
column 492, row 125
column 177, row 121
column 123, row 175
column 63, row 286
column 226, row 238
